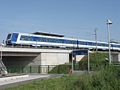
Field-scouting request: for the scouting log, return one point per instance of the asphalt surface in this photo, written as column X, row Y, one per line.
column 23, row 80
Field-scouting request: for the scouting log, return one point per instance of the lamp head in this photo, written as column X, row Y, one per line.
column 109, row 21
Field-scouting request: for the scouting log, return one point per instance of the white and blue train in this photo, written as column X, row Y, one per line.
column 26, row 39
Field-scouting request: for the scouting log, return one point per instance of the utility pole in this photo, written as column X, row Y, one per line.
column 96, row 38
column 88, row 61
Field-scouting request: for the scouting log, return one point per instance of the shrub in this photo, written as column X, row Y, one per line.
column 61, row 69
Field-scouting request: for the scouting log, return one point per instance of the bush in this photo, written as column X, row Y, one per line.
column 61, row 69
column 107, row 78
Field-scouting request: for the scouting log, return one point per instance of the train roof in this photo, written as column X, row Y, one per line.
column 48, row 34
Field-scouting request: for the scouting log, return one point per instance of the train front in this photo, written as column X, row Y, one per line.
column 11, row 38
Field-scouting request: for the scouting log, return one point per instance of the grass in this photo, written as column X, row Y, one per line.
column 105, row 79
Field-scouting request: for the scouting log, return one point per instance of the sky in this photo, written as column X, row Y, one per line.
column 73, row 18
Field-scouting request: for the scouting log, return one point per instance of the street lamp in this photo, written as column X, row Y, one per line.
column 109, row 22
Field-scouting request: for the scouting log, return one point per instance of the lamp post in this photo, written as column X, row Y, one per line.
column 108, row 28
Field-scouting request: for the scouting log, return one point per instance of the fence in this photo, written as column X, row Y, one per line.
column 39, row 69
column 82, row 66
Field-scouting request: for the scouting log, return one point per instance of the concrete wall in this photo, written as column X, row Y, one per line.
column 119, row 57
column 36, row 61
column 54, row 58
column 114, row 58
column 50, row 59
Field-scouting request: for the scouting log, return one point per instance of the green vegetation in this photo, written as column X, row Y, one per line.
column 97, row 61
column 103, row 77
column 61, row 69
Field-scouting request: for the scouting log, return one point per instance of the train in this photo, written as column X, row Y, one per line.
column 33, row 40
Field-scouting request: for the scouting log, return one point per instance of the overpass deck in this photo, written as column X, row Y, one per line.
column 33, row 50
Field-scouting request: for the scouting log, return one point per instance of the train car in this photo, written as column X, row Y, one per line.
column 25, row 39
column 39, row 40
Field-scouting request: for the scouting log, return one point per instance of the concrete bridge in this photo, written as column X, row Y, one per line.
column 33, row 56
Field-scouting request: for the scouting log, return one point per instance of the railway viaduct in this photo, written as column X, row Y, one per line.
column 16, row 57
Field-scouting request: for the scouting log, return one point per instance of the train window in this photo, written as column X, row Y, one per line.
column 119, row 46
column 22, row 37
column 47, row 39
column 88, row 43
column 79, row 42
column 34, row 39
column 93, row 43
column 74, row 42
column 29, row 38
column 70, row 42
column 67, row 41
column 115, row 45
column 43, row 39
column 9, row 36
column 55, row 40
column 51, row 40
column 99, row 44
column 105, row 45
column 82, row 43
column 59, row 41
column 40, row 39
column 25, row 38
column 63, row 41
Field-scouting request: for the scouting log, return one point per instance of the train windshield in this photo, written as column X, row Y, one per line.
column 9, row 36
